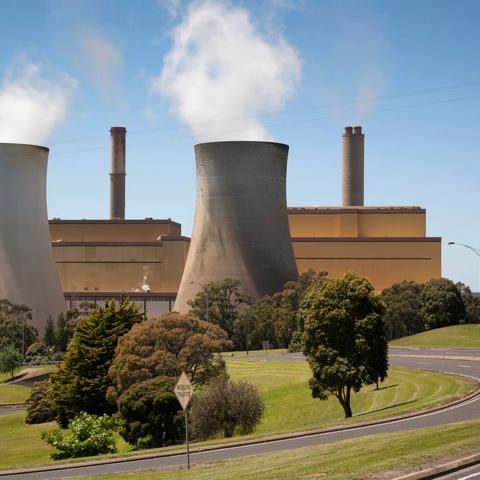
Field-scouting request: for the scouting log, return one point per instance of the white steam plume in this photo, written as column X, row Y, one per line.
column 221, row 73
column 32, row 106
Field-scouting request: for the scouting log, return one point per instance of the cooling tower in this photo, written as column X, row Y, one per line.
column 353, row 165
column 27, row 270
column 241, row 226
column 117, row 175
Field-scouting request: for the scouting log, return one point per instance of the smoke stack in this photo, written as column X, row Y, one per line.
column 241, row 224
column 117, row 175
column 27, row 269
column 353, row 166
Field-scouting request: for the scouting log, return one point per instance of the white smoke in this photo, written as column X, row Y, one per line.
column 221, row 73
column 32, row 106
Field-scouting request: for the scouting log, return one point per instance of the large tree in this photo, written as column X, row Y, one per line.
column 403, row 315
column 471, row 302
column 81, row 381
column 166, row 346
column 442, row 303
column 15, row 327
column 220, row 303
column 344, row 337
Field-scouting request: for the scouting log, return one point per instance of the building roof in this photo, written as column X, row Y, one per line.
column 83, row 221
column 357, row 209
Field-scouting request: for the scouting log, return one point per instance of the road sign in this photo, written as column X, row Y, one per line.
column 183, row 390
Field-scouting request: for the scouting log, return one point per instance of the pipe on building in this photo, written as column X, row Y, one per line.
column 353, row 167
column 241, row 225
column 118, row 173
column 28, row 274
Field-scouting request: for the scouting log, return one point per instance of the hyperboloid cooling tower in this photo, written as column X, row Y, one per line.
column 27, row 270
column 241, row 224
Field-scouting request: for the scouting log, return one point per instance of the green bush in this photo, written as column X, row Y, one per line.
column 10, row 360
column 40, row 407
column 90, row 435
column 151, row 413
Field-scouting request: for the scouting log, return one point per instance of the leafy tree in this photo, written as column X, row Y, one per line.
column 89, row 435
column 220, row 303
column 39, row 352
column 225, row 406
column 10, row 360
column 403, row 314
column 471, row 302
column 62, row 334
column 40, row 407
column 152, row 416
column 344, row 337
column 166, row 346
column 50, row 335
column 442, row 304
column 81, row 381
column 15, row 327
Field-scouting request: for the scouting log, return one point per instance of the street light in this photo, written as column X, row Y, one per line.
column 473, row 249
column 206, row 294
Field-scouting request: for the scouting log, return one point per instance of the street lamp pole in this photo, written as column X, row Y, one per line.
column 206, row 294
column 473, row 249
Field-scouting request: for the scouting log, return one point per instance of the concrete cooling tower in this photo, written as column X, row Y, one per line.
column 27, row 269
column 241, row 226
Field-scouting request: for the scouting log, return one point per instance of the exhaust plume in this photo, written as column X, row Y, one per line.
column 31, row 106
column 221, row 73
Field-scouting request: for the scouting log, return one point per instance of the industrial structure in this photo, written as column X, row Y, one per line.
column 27, row 269
column 241, row 224
column 100, row 259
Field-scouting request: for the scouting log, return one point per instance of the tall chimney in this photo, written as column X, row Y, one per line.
column 117, row 175
column 353, row 166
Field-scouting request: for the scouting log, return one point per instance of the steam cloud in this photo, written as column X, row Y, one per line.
column 32, row 106
column 221, row 73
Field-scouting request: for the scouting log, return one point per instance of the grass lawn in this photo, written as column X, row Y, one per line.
column 288, row 405
column 382, row 456
column 13, row 394
column 456, row 336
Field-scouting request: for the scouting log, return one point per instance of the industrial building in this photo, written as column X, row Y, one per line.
column 100, row 259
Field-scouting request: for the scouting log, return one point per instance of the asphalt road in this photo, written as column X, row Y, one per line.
column 464, row 474
column 465, row 411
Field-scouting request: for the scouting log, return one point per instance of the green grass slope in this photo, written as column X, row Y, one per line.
column 13, row 394
column 456, row 336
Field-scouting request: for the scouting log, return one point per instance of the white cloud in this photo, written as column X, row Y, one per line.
column 101, row 59
column 171, row 6
column 221, row 73
column 31, row 105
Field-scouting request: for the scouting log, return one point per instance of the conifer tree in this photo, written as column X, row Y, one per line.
column 50, row 336
column 81, row 382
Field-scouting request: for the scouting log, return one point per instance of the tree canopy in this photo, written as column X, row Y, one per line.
column 81, row 381
column 344, row 337
column 166, row 346
column 15, row 327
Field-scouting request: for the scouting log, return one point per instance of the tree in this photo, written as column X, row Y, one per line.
column 15, row 327
column 225, row 406
column 50, row 335
column 62, row 335
column 81, row 381
column 10, row 360
column 39, row 352
column 344, row 335
column 40, row 407
column 471, row 302
column 403, row 314
column 220, row 303
column 166, row 346
column 89, row 435
column 152, row 416
column 442, row 304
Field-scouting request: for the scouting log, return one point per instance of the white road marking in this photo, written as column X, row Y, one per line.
column 473, row 475
column 465, row 366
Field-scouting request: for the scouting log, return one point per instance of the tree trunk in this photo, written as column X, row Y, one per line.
column 345, row 401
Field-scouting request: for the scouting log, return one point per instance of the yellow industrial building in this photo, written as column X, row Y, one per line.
column 101, row 259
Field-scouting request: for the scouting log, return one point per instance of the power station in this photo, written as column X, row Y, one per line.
column 242, row 229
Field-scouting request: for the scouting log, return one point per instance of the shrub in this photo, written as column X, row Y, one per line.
column 151, row 413
column 40, row 407
column 90, row 435
column 225, row 406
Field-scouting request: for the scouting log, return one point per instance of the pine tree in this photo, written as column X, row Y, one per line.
column 81, row 382
column 61, row 341
column 50, row 336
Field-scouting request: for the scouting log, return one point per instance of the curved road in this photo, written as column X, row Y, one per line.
column 464, row 411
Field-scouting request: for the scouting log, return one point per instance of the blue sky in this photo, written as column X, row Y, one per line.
column 408, row 71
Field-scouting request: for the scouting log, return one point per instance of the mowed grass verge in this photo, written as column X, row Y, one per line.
column 381, row 456
column 289, row 406
column 456, row 336
column 13, row 394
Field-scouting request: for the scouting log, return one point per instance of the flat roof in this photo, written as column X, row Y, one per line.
column 157, row 243
column 366, row 239
column 369, row 209
column 83, row 221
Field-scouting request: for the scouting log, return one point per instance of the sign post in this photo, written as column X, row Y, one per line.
column 184, row 390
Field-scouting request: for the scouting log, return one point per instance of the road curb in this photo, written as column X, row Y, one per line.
column 436, row 357
column 176, row 453
column 450, row 467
